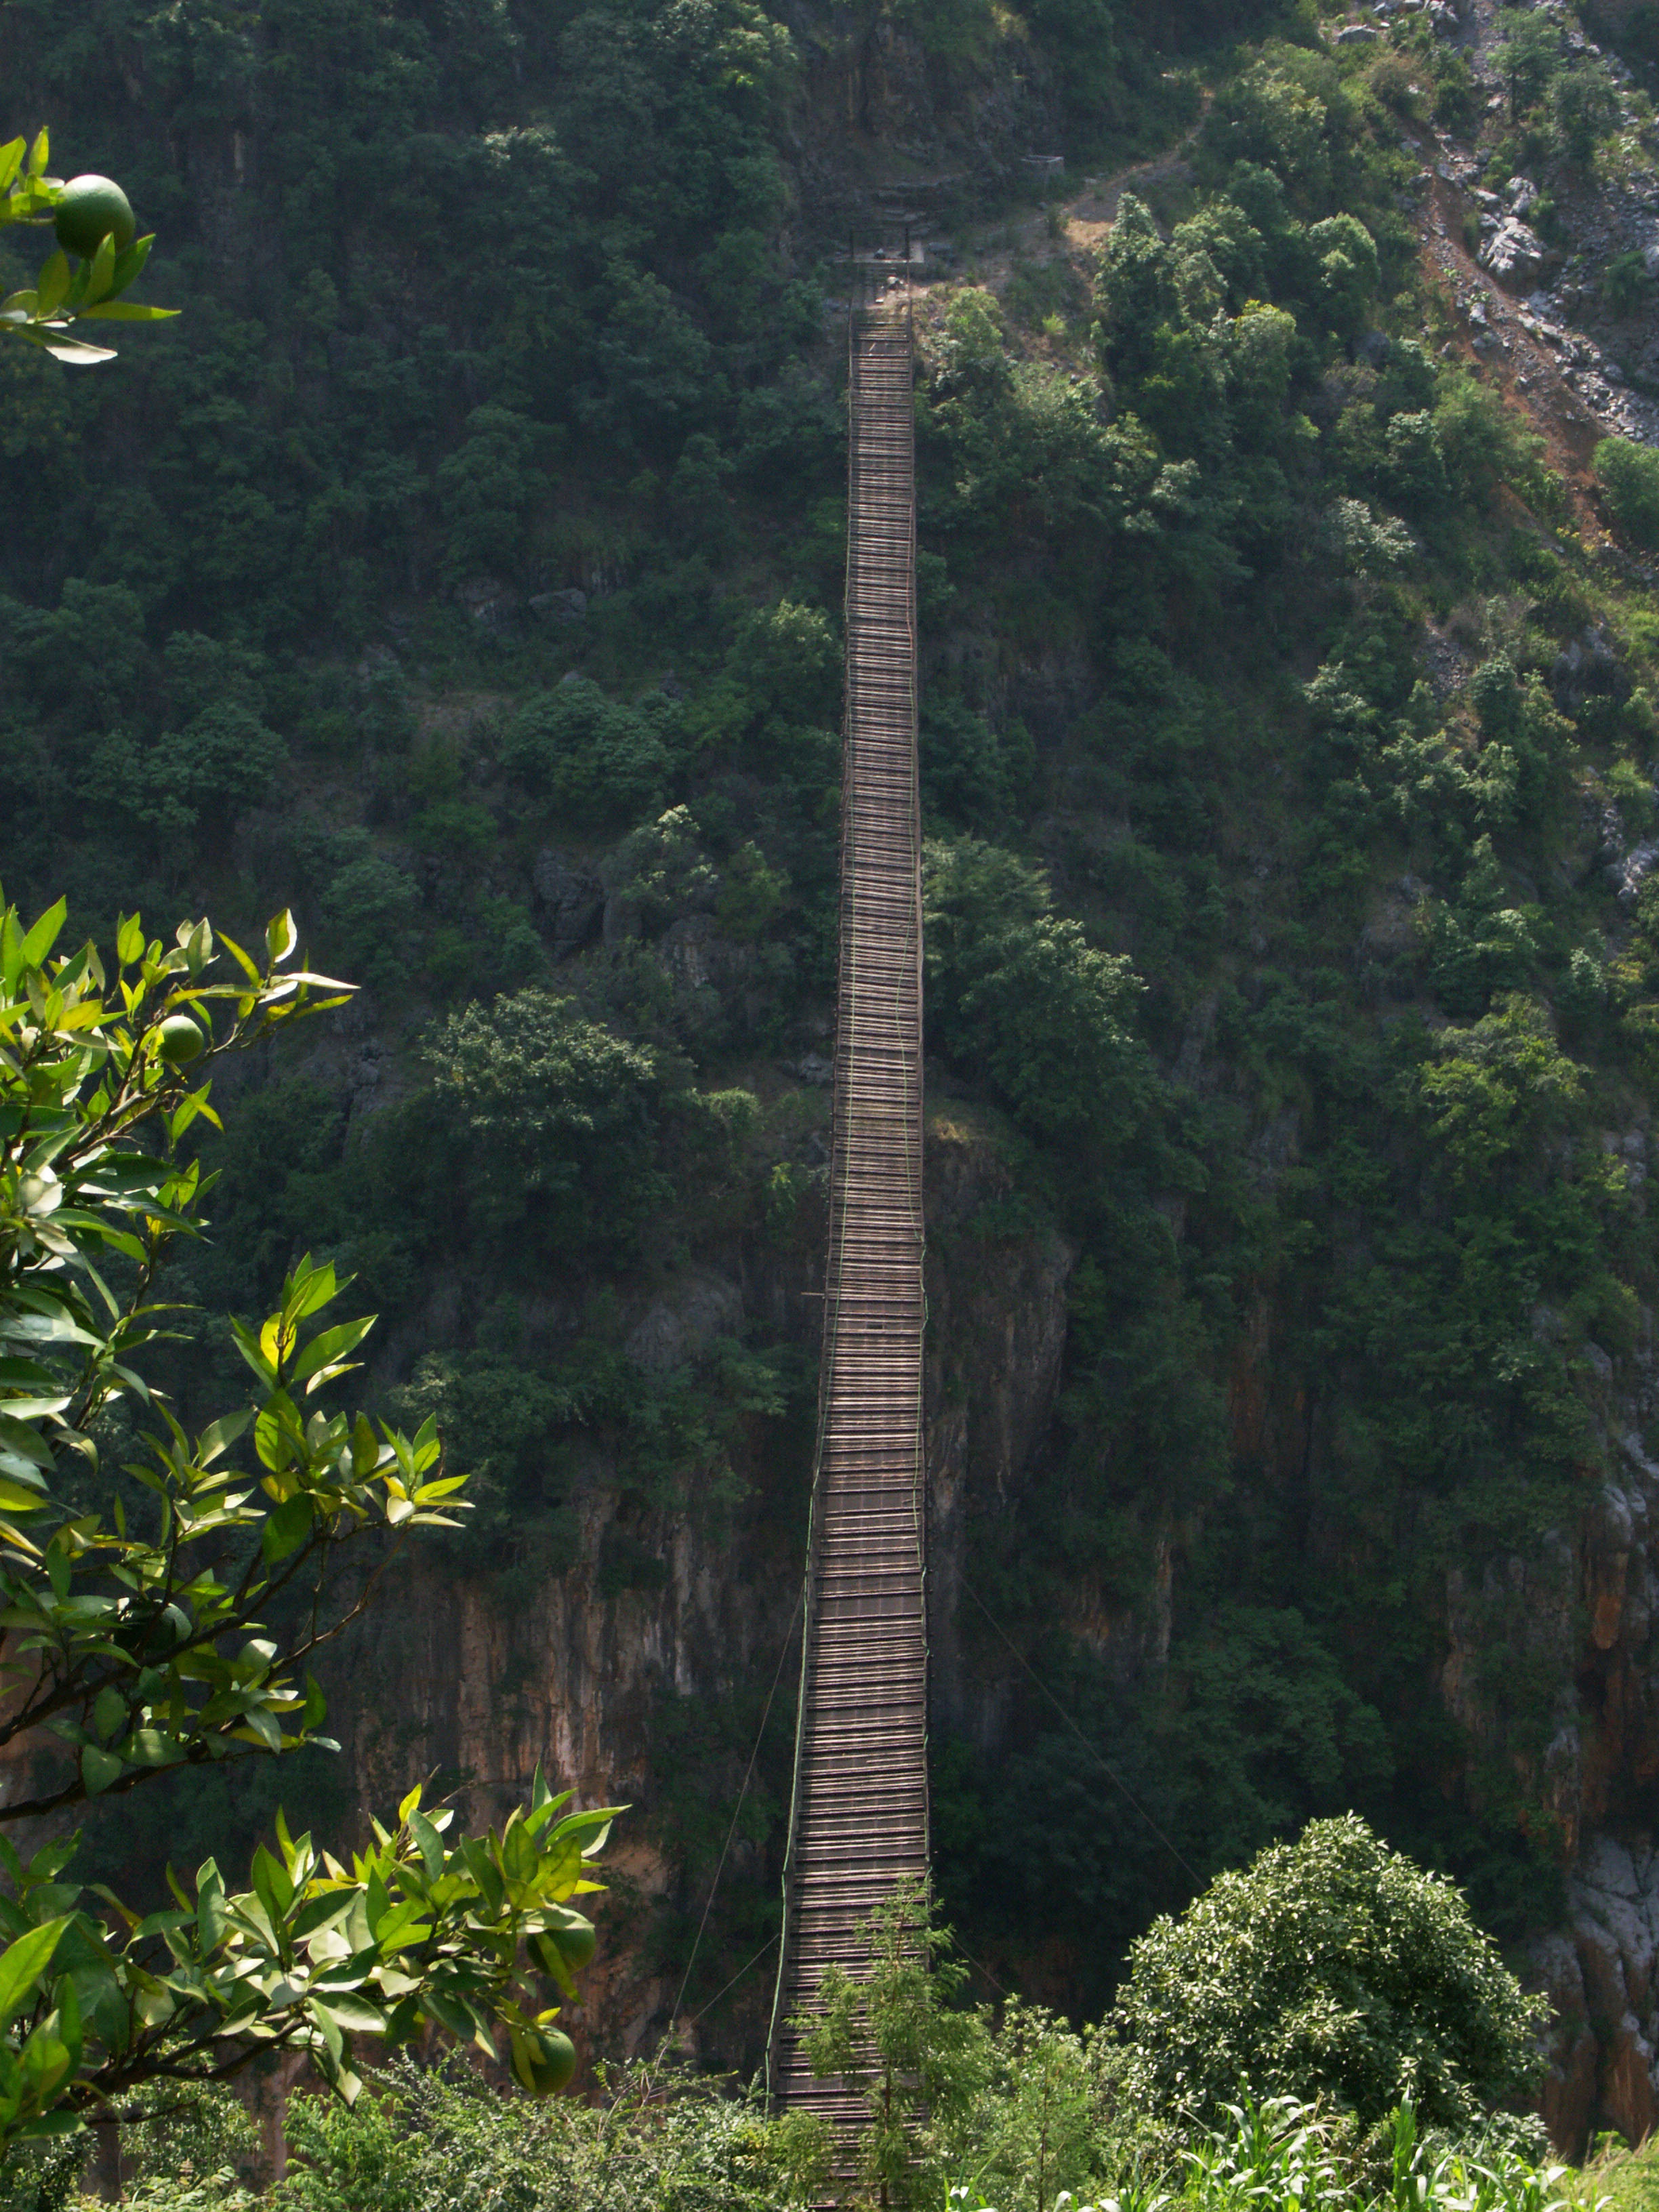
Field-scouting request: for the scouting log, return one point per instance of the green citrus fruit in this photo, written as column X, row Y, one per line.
column 178, row 1040
column 92, row 208
column 543, row 2060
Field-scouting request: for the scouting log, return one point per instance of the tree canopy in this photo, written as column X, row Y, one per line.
column 1332, row 1967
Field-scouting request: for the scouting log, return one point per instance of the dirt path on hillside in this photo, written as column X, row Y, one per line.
column 1529, row 345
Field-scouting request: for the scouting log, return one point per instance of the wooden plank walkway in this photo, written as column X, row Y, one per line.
column 858, row 1822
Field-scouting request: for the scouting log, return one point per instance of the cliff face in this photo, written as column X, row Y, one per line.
column 578, row 1674
column 1590, row 1610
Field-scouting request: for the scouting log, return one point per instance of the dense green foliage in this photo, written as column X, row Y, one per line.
column 1329, row 1967
column 661, row 2141
column 1629, row 476
column 464, row 568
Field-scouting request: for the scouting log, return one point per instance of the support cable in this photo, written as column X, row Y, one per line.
column 1108, row 1770
column 749, row 1771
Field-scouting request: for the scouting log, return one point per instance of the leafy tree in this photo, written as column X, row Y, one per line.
column 892, row 2037
column 594, row 759
column 1331, row 1967
column 1282, row 114
column 1136, row 289
column 1585, row 103
column 1346, row 254
column 1039, row 2117
column 1528, row 56
column 1629, row 476
column 44, row 316
column 553, row 1117
column 138, row 1637
column 1021, row 994
column 485, row 487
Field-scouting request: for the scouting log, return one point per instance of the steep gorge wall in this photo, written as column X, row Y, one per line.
column 575, row 1677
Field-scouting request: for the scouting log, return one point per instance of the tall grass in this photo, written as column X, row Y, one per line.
column 1281, row 2155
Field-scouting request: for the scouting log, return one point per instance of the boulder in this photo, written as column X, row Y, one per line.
column 1514, row 254
column 573, row 900
column 562, row 606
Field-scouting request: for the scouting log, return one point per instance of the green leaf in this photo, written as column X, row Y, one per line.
column 101, row 273
column 280, row 936
column 273, row 1438
column 210, row 1916
column 365, row 1452
column 99, row 1769
column 128, row 311
column 23, row 1963
column 319, row 1912
column 129, row 940
column 40, row 154
column 46, row 931
column 275, row 1888
column 11, row 159
column 330, row 2028
column 328, row 1346
column 287, row 1528
column 430, row 1843
column 129, row 263
column 109, row 1713
column 52, row 286
column 220, row 1435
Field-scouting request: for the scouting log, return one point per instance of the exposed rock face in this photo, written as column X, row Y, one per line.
column 1601, row 1976
column 572, row 899
column 1589, row 1611
column 573, row 1675
column 1515, row 254
column 876, row 107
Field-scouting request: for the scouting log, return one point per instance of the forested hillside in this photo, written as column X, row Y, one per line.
column 463, row 568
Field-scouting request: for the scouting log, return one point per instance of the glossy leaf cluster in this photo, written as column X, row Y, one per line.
column 126, row 1649
column 414, row 1931
column 91, row 289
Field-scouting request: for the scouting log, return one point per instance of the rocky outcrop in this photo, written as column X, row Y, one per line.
column 571, row 900
column 1589, row 1614
column 1515, row 255
column 1601, row 1976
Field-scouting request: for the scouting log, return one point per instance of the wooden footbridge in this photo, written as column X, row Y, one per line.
column 858, row 1821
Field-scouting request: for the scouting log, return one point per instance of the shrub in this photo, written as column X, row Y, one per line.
column 1629, row 476
column 369, row 907
column 446, row 2141
column 553, row 1118
column 1328, row 1968
column 1626, row 283
column 1022, row 996
column 596, row 759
